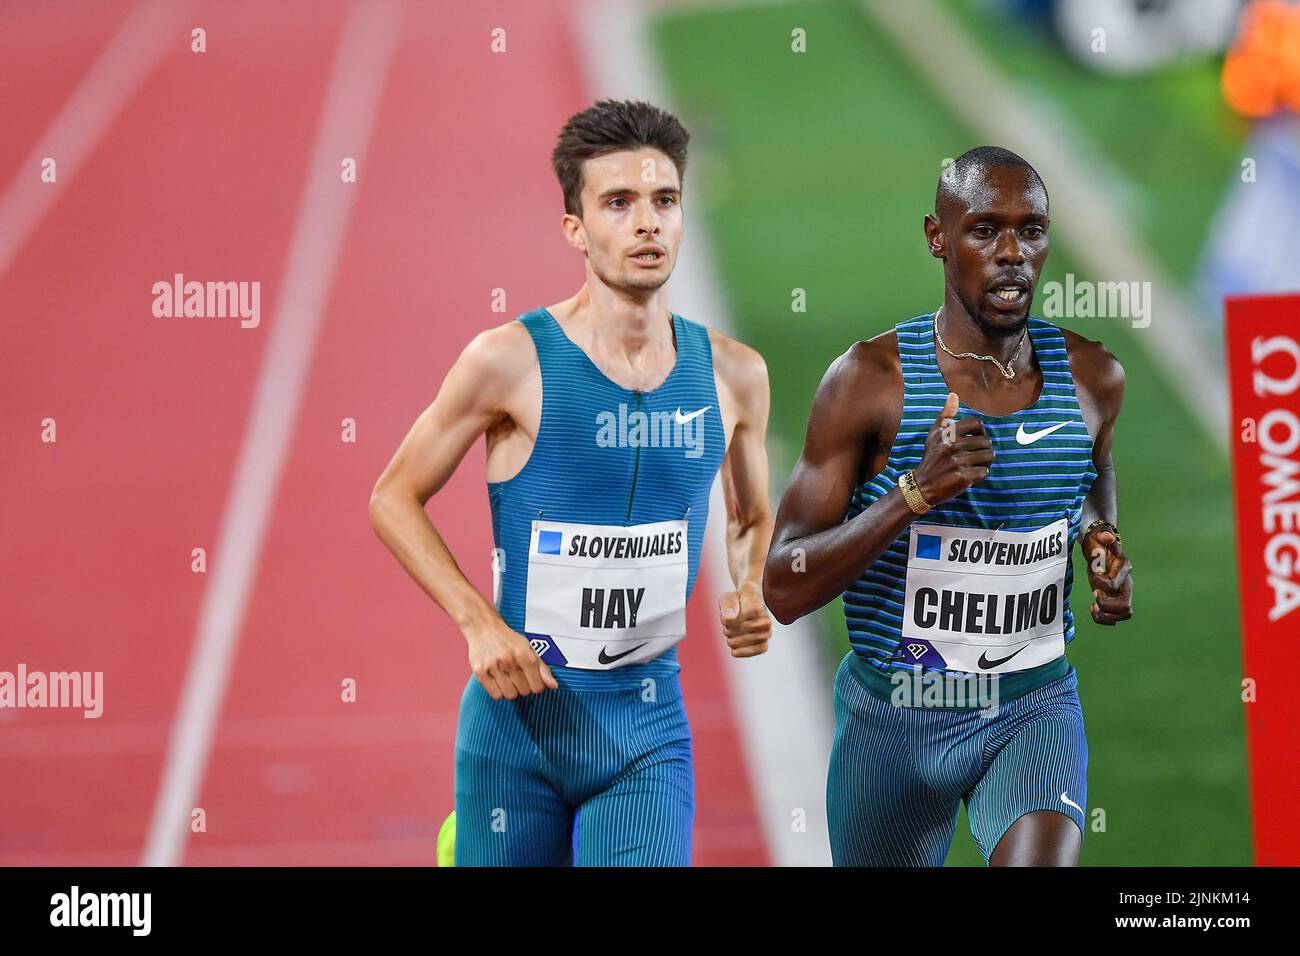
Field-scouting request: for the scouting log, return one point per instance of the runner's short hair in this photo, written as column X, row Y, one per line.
column 955, row 176
column 607, row 127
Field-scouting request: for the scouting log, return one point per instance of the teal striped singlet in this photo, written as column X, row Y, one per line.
column 1030, row 485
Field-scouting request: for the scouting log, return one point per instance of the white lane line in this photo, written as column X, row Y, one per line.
column 153, row 29
column 782, row 700
column 1087, row 208
column 360, row 67
column 56, row 741
column 375, row 851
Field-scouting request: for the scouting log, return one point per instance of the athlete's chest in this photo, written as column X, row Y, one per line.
column 671, row 436
column 981, row 386
column 988, row 394
column 1047, row 440
column 594, row 440
column 1042, row 452
column 593, row 426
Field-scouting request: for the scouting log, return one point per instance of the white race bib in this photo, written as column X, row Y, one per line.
column 985, row 601
column 604, row 596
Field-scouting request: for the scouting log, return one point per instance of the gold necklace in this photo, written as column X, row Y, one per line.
column 1008, row 370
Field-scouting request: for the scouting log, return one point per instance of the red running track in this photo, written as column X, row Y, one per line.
column 201, row 172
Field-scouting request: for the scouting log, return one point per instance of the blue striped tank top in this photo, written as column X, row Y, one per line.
column 609, row 456
column 1028, row 487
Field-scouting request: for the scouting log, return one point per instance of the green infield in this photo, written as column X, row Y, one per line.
column 819, row 167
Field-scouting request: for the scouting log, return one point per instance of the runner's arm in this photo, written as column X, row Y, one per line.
column 1105, row 382
column 815, row 554
column 745, row 479
column 742, row 375
column 471, row 399
column 1109, row 569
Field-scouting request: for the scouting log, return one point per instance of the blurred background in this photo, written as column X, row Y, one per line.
column 817, row 169
column 276, row 691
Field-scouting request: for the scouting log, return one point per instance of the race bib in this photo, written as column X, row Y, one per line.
column 605, row 596
column 985, row 601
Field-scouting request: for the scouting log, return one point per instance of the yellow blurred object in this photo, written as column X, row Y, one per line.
column 446, row 851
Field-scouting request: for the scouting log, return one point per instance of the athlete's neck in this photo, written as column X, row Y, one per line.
column 962, row 333
column 631, row 338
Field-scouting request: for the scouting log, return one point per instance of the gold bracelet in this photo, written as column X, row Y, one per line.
column 1119, row 540
column 912, row 494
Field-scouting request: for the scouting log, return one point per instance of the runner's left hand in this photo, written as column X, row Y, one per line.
column 1109, row 577
column 745, row 622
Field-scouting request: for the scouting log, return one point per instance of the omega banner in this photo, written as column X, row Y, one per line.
column 1263, row 351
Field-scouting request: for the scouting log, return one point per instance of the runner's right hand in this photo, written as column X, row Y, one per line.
column 505, row 663
column 949, row 467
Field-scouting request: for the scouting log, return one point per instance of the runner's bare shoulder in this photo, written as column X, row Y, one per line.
column 868, row 380
column 1092, row 364
column 740, row 367
column 499, row 361
column 877, row 357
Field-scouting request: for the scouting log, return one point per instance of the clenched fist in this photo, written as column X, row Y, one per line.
column 957, row 455
column 745, row 622
column 1109, row 576
column 505, row 663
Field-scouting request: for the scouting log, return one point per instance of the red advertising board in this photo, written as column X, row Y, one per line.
column 1263, row 351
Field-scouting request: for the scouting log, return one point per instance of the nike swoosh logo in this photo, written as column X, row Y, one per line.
column 683, row 419
column 1065, row 799
column 607, row 659
column 1028, row 438
column 985, row 662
